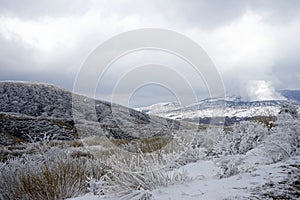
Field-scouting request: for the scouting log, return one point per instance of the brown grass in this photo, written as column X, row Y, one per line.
column 145, row 145
column 63, row 180
column 55, row 178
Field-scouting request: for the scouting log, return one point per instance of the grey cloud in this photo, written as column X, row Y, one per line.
column 14, row 56
column 32, row 8
column 20, row 61
column 280, row 11
column 206, row 14
column 199, row 13
column 214, row 13
column 288, row 74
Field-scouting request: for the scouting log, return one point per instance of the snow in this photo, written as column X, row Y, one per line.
column 88, row 196
column 173, row 111
column 205, row 183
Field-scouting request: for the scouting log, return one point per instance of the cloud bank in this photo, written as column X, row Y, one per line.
column 247, row 40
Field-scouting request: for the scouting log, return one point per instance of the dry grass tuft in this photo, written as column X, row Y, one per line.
column 52, row 175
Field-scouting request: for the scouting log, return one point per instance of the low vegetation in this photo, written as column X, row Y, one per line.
column 131, row 169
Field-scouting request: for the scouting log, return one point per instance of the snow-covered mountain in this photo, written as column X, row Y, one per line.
column 231, row 108
column 291, row 95
column 33, row 109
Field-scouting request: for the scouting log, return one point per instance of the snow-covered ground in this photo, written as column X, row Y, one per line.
column 205, row 182
column 207, row 185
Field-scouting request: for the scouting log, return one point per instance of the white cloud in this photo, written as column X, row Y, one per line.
column 48, row 34
column 248, row 42
column 259, row 90
column 250, row 47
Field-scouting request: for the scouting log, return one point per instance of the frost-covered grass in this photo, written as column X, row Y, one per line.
column 134, row 185
column 53, row 173
column 59, row 170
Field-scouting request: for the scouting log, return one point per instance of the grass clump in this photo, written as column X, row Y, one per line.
column 54, row 174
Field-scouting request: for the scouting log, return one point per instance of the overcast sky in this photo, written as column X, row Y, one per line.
column 255, row 45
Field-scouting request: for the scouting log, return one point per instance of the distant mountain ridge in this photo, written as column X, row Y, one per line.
column 291, row 95
column 32, row 109
column 233, row 109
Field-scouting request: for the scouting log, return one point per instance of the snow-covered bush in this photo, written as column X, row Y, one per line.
column 290, row 111
column 204, row 142
column 212, row 138
column 250, row 144
column 192, row 154
column 230, row 165
column 284, row 139
column 243, row 137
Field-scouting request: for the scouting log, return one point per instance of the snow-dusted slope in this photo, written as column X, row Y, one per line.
column 159, row 108
column 213, row 109
column 291, row 95
column 35, row 108
column 230, row 107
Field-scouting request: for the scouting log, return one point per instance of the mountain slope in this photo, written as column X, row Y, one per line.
column 291, row 95
column 231, row 109
column 29, row 110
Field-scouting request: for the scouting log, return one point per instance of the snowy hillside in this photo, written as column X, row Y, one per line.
column 232, row 108
column 291, row 95
column 28, row 110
